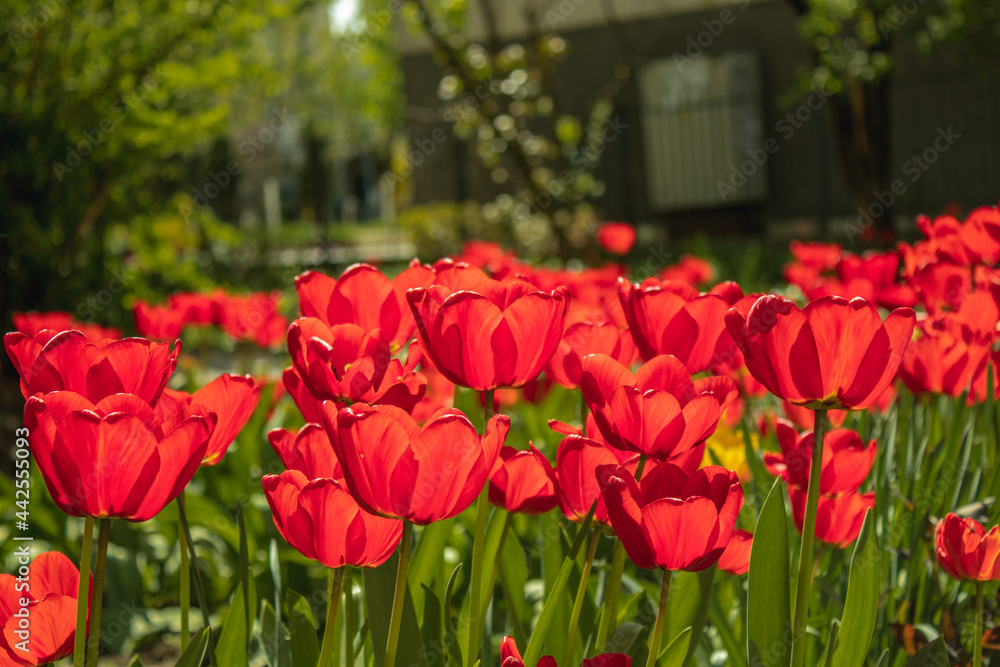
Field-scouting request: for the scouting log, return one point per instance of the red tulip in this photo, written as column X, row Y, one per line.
column 115, row 458
column 846, row 459
column 834, row 353
column 616, row 237
column 363, row 296
column 67, row 361
column 524, row 482
column 965, row 550
column 199, row 308
column 232, row 398
column 310, row 406
column 673, row 318
column 254, row 317
column 659, row 411
column 323, row 522
column 33, row 323
column 584, row 338
column 309, row 451
column 395, row 468
column 671, row 520
column 158, row 322
column 736, row 558
column 838, row 518
column 38, row 615
column 346, row 362
column 511, row 657
column 692, row 270
column 499, row 337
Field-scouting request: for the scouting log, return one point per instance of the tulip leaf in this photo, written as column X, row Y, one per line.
column 513, row 578
column 380, row 586
column 430, row 629
column 450, row 639
column 861, row 606
column 690, row 594
column 556, row 594
column 273, row 640
column 136, row 662
column 426, row 560
column 831, row 643
column 935, row 654
column 676, row 653
column 302, row 629
column 194, row 655
column 769, row 615
column 623, row 638
column 232, row 648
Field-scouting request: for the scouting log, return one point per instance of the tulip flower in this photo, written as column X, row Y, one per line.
column 674, row 318
column 346, row 362
column 231, row 397
column 68, row 361
column 616, row 237
column 163, row 323
column 511, row 657
column 198, row 307
column 839, row 519
column 501, row 336
column 833, row 353
column 585, row 338
column 363, row 296
column 736, row 558
column 577, row 460
column 309, row 451
column 33, row 323
column 660, row 411
column 50, row 600
column 422, row 474
column 692, row 270
column 671, row 520
column 115, row 458
column 968, row 552
column 845, row 465
column 254, row 317
column 310, row 406
column 524, row 481
column 323, row 522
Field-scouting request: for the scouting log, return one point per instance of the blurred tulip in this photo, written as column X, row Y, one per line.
column 834, row 353
column 659, row 411
column 501, row 336
column 231, row 397
column 616, row 237
column 847, row 460
column 523, row 482
column 33, row 323
column 163, row 323
column 115, row 458
column 692, row 270
column 671, row 520
column 838, row 518
column 965, row 550
column 254, row 318
column 323, row 522
column 422, row 474
column 46, row 598
column 67, row 361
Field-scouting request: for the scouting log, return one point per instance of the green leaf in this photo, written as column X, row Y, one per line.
column 430, row 629
column 302, row 630
column 769, row 614
column 380, row 586
column 426, row 560
column 232, row 648
column 450, row 637
column 861, row 606
column 556, row 597
column 136, row 662
column 272, row 638
column 690, row 594
column 934, row 654
column 676, row 653
column 195, row 653
column 514, row 578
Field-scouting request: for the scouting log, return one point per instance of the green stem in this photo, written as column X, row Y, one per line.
column 977, row 640
column 581, row 593
column 639, row 468
column 94, row 641
column 83, row 593
column 478, row 543
column 612, row 585
column 654, row 642
column 397, row 601
column 336, row 578
column 804, row 582
column 492, row 582
column 349, row 617
column 199, row 587
column 185, row 589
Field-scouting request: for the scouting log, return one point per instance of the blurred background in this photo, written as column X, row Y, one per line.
column 149, row 146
